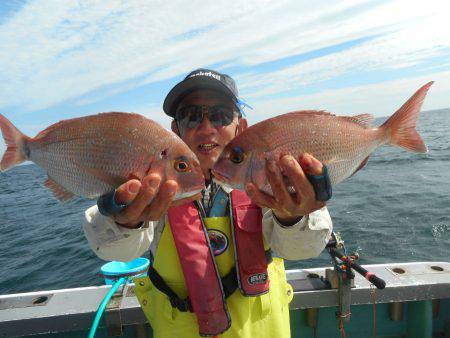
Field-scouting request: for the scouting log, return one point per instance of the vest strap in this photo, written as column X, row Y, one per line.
column 229, row 283
column 199, row 269
column 184, row 305
column 251, row 265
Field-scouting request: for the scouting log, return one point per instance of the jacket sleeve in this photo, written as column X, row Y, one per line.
column 303, row 240
column 111, row 241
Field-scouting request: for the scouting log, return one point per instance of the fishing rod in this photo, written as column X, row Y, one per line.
column 336, row 252
column 343, row 276
column 370, row 276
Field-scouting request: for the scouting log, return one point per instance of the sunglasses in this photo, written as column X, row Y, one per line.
column 192, row 116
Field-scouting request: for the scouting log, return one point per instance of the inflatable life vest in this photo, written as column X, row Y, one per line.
column 205, row 290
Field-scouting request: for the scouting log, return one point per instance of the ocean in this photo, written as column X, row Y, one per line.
column 397, row 209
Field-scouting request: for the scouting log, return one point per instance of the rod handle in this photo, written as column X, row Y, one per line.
column 375, row 280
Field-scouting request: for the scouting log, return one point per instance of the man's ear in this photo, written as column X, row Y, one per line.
column 243, row 124
column 174, row 127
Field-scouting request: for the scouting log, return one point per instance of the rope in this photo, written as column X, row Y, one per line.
column 341, row 328
column 373, row 299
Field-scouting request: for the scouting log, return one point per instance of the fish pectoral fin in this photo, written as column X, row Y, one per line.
column 113, row 180
column 332, row 161
column 361, row 165
column 60, row 192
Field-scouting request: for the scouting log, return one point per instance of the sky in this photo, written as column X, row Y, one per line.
column 65, row 59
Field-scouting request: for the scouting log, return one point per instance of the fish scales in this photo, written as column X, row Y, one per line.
column 340, row 145
column 95, row 143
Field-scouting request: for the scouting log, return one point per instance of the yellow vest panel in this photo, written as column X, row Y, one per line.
column 264, row 316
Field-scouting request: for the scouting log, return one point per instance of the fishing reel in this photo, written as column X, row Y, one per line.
column 343, row 275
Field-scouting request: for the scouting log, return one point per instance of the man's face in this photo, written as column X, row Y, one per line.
column 206, row 140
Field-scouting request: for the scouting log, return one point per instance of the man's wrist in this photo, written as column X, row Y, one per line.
column 287, row 221
column 131, row 225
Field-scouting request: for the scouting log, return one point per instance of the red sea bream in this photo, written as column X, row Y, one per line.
column 91, row 155
column 342, row 143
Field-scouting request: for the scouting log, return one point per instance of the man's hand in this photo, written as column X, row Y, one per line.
column 287, row 207
column 146, row 200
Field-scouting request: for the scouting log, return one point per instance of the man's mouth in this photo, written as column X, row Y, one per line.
column 207, row 147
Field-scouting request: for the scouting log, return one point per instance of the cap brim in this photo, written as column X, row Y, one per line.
column 187, row 86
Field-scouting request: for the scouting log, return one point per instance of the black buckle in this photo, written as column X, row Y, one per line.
column 321, row 184
column 183, row 305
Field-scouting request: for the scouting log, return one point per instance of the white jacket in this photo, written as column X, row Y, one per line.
column 110, row 241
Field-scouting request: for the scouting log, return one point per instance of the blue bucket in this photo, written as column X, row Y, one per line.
column 112, row 271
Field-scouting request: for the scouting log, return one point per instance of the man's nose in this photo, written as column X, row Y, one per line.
column 206, row 126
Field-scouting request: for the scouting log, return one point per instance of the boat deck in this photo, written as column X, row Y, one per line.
column 415, row 303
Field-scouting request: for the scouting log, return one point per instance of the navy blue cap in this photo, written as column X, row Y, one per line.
column 200, row 79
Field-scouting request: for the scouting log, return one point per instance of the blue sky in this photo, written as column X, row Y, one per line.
column 63, row 59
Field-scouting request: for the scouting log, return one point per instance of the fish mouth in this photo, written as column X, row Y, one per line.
column 187, row 197
column 220, row 177
column 225, row 184
column 224, row 181
column 188, row 194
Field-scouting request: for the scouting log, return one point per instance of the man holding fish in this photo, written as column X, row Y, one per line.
column 205, row 251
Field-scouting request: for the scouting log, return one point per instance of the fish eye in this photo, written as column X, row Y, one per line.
column 181, row 166
column 237, row 155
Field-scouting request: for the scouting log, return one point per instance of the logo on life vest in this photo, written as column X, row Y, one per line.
column 258, row 278
column 218, row 241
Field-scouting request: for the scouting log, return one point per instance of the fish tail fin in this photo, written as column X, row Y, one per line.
column 17, row 150
column 401, row 127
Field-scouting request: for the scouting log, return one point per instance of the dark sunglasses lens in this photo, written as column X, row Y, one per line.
column 221, row 116
column 190, row 116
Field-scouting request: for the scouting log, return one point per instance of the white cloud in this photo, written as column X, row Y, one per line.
column 380, row 99
column 53, row 51
column 406, row 47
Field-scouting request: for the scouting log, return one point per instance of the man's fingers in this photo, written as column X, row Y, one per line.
column 127, row 192
column 297, row 178
column 162, row 201
column 259, row 198
column 310, row 164
column 133, row 211
column 277, row 184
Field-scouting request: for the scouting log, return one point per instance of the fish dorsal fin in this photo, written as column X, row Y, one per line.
column 121, row 114
column 57, row 125
column 49, row 129
column 364, row 120
column 60, row 192
column 311, row 112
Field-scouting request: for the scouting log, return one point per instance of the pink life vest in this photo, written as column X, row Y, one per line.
column 200, row 271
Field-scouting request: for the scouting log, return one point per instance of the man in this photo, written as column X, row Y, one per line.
column 223, row 243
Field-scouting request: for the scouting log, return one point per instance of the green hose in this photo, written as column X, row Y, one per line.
column 102, row 306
